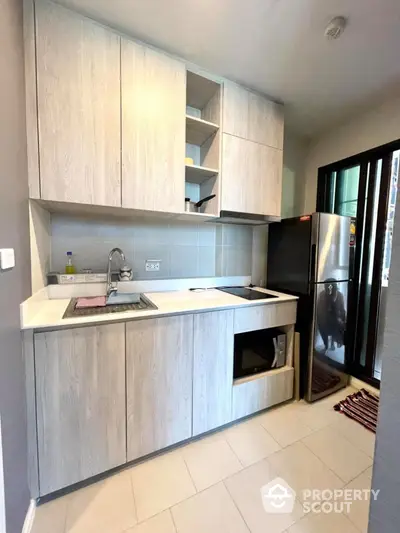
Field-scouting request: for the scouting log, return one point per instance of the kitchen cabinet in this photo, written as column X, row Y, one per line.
column 264, row 316
column 251, row 177
column 80, row 402
column 107, row 125
column 251, row 116
column 254, row 393
column 153, row 89
column 212, row 370
column 159, row 380
column 78, row 94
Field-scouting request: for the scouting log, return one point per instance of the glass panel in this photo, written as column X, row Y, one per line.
column 347, row 192
column 343, row 191
column 332, row 193
column 386, row 262
column 370, row 263
column 362, row 236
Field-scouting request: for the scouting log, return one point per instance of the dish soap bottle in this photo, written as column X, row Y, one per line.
column 69, row 267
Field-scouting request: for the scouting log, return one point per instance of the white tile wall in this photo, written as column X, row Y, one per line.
column 185, row 250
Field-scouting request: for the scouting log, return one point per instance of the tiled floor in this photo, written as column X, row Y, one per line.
column 213, row 485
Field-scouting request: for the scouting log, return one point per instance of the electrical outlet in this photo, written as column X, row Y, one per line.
column 153, row 265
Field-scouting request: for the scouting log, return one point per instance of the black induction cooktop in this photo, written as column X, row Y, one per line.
column 245, row 292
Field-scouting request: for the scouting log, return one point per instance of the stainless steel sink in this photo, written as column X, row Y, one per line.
column 71, row 312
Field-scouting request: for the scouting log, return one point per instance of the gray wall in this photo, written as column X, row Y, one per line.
column 384, row 513
column 14, row 284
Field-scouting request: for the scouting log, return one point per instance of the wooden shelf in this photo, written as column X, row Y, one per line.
column 199, row 90
column 197, row 174
column 199, row 130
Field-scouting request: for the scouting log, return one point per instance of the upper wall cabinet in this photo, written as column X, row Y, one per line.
column 251, row 177
column 78, row 84
column 153, row 129
column 252, row 117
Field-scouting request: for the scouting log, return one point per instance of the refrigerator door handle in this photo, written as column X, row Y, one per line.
column 313, row 263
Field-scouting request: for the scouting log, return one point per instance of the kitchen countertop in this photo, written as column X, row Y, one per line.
column 48, row 314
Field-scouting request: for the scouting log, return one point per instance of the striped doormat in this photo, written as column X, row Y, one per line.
column 362, row 406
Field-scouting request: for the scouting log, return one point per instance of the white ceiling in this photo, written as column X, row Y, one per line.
column 275, row 46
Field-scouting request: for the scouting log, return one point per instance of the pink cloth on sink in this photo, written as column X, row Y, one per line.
column 96, row 301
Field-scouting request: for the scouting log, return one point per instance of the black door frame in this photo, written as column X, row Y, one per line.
column 368, row 164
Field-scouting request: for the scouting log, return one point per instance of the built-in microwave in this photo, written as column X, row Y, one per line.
column 258, row 351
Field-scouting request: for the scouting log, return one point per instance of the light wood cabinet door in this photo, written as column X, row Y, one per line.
column 153, row 129
column 80, row 398
column 159, row 383
column 251, row 177
column 212, row 370
column 78, row 84
column 264, row 316
column 251, row 116
column 255, row 393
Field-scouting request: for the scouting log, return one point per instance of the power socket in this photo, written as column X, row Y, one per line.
column 153, row 265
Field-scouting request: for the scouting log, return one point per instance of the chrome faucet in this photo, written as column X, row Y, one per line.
column 110, row 287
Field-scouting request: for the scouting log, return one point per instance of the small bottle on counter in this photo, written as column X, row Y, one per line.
column 69, row 267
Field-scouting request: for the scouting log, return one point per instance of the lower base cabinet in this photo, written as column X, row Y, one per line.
column 253, row 394
column 80, row 398
column 212, row 370
column 159, row 366
column 113, row 393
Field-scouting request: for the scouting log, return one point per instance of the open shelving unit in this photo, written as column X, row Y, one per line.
column 199, row 130
column 197, row 174
column 203, row 118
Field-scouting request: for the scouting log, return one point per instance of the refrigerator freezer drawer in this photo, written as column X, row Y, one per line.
column 327, row 362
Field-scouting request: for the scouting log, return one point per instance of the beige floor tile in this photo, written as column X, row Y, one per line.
column 210, row 460
column 359, row 509
column 210, row 511
column 330, row 401
column 314, row 415
column 284, row 425
column 338, row 453
column 361, row 437
column 245, row 489
column 251, row 442
column 160, row 483
column 302, row 470
column 161, row 523
column 326, row 523
column 50, row 517
column 106, row 507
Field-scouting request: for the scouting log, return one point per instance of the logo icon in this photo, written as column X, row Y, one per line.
column 278, row 497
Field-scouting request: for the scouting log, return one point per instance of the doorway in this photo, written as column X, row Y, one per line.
column 365, row 187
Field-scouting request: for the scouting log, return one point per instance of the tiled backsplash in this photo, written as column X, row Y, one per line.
column 185, row 250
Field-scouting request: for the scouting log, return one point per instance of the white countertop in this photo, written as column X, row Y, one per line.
column 48, row 313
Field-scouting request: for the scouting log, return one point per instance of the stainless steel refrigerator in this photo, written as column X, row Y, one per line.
column 312, row 257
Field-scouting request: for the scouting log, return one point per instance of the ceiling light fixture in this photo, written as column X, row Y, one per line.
column 335, row 28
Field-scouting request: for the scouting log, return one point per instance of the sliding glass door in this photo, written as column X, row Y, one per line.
column 365, row 187
column 387, row 234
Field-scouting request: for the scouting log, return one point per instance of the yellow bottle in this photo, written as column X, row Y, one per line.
column 69, row 267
